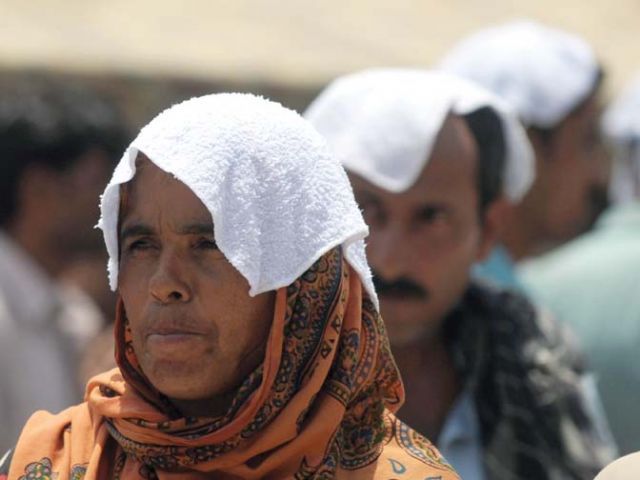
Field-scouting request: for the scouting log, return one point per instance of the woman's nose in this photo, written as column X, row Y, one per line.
column 168, row 284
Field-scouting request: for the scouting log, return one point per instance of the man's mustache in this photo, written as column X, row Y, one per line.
column 401, row 287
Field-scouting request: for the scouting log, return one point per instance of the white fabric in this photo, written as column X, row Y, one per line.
column 543, row 72
column 277, row 198
column 621, row 124
column 41, row 335
column 622, row 118
column 382, row 124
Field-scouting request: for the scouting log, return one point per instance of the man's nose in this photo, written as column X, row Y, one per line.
column 169, row 284
column 388, row 253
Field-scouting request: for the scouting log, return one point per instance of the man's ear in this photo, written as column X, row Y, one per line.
column 494, row 219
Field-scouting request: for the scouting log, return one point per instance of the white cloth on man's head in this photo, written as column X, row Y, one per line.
column 382, row 124
column 621, row 124
column 277, row 198
column 621, row 121
column 543, row 72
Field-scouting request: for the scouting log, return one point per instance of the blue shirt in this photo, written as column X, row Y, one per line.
column 499, row 269
column 459, row 440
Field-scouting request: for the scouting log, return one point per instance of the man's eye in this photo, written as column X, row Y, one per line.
column 206, row 244
column 431, row 215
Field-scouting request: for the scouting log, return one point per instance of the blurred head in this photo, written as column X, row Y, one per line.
column 58, row 145
column 424, row 240
column 622, row 127
column 196, row 331
column 552, row 80
column 435, row 162
column 571, row 189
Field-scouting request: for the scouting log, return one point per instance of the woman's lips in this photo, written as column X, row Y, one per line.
column 170, row 330
column 175, row 345
column 169, row 336
column 174, row 338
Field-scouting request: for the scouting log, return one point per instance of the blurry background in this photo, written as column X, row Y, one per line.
column 152, row 53
column 146, row 55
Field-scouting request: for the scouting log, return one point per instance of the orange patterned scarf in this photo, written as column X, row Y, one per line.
column 320, row 406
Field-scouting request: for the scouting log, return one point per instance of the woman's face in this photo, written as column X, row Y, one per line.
column 196, row 331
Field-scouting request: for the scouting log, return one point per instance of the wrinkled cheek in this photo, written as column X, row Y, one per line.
column 134, row 314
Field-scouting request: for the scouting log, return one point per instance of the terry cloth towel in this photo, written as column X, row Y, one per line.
column 382, row 124
column 278, row 199
column 544, row 73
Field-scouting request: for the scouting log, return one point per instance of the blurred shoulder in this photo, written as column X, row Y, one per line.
column 514, row 319
column 48, row 429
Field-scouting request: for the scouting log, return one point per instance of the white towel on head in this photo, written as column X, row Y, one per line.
column 621, row 121
column 277, row 198
column 543, row 72
column 382, row 124
column 621, row 124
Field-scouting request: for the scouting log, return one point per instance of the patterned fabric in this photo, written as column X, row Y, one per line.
column 525, row 376
column 320, row 406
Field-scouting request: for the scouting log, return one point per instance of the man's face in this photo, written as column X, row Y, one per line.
column 196, row 331
column 573, row 174
column 423, row 241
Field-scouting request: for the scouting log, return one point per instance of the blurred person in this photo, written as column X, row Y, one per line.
column 593, row 282
column 553, row 81
column 57, row 146
column 249, row 342
column 500, row 389
column 86, row 274
column 86, row 271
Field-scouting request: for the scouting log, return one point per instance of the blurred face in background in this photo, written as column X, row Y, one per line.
column 76, row 205
column 61, row 205
column 423, row 241
column 573, row 169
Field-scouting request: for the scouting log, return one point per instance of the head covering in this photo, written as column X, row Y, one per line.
column 382, row 124
column 621, row 124
column 543, row 72
column 278, row 200
column 320, row 405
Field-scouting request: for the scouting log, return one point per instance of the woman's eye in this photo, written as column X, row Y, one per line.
column 139, row 245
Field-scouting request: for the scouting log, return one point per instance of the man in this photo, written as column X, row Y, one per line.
column 248, row 338
column 593, row 282
column 497, row 386
column 553, row 80
column 57, row 146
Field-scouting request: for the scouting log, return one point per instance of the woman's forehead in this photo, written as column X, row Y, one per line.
column 154, row 194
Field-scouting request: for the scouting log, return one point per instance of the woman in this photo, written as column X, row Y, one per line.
column 248, row 337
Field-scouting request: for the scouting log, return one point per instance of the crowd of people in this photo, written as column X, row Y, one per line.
column 428, row 273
